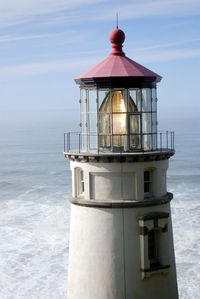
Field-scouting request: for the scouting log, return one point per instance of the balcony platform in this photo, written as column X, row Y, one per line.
column 133, row 156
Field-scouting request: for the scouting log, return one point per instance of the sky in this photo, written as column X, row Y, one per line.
column 45, row 44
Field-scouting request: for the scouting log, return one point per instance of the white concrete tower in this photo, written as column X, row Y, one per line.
column 121, row 241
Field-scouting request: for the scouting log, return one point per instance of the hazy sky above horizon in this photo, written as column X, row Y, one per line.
column 44, row 44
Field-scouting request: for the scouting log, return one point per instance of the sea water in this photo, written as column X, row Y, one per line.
column 35, row 183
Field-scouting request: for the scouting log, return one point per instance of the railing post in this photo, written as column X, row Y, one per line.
column 98, row 143
column 79, row 142
column 167, row 139
column 161, row 142
column 64, row 142
column 171, row 140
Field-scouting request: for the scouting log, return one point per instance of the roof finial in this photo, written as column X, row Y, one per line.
column 117, row 20
column 117, row 38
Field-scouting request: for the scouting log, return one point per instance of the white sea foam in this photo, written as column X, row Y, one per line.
column 186, row 227
column 34, row 216
column 33, row 248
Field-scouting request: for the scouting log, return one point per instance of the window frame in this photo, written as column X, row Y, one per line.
column 158, row 223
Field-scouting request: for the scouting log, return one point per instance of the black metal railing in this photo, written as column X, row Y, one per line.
column 76, row 142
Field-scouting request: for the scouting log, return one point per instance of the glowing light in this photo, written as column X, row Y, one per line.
column 119, row 116
column 113, row 124
column 122, row 106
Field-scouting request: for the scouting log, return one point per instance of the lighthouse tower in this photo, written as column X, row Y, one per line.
column 121, row 240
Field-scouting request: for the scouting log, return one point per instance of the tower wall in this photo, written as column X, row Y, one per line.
column 105, row 256
column 108, row 257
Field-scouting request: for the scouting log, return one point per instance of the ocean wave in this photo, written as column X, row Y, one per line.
column 34, row 248
column 186, row 215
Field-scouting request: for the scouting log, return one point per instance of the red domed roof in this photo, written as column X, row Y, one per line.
column 117, row 64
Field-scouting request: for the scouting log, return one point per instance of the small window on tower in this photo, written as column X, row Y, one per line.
column 154, row 243
column 147, row 183
column 152, row 248
column 82, row 181
column 79, row 182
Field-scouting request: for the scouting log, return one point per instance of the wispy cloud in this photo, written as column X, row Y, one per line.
column 169, row 44
column 150, row 8
column 166, row 55
column 168, row 51
column 141, row 9
column 14, row 38
column 68, row 36
column 69, row 65
column 20, row 11
column 51, row 67
column 12, row 11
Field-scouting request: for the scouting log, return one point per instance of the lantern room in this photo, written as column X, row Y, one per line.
column 118, row 106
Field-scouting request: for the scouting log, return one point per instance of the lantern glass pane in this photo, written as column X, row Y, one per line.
column 132, row 102
column 135, row 136
column 146, row 100
column 146, row 123
column 147, row 141
column 154, row 100
column 83, row 119
column 154, row 122
column 92, row 101
column 104, row 101
column 83, row 99
column 139, row 100
column 134, row 123
column 93, row 140
column 92, row 123
column 104, row 124
column 119, row 123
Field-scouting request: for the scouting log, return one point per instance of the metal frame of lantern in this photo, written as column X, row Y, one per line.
column 93, row 139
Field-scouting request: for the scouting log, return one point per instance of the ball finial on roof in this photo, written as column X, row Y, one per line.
column 117, row 37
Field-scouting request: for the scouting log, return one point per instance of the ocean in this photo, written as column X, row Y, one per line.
column 35, row 183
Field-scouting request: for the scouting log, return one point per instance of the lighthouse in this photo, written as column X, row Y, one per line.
column 121, row 239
